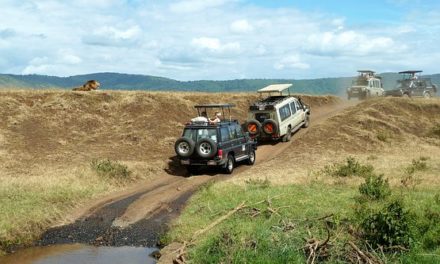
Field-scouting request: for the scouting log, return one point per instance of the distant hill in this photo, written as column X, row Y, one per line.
column 118, row 81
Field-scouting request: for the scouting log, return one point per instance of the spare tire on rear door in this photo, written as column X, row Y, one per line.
column 253, row 127
column 206, row 148
column 270, row 127
column 184, row 147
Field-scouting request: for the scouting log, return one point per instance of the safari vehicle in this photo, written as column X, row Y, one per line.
column 221, row 144
column 277, row 114
column 366, row 85
column 412, row 85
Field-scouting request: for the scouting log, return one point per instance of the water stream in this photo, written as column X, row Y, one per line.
column 80, row 254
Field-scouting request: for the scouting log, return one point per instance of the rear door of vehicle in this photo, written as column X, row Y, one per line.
column 235, row 141
column 286, row 118
column 241, row 138
column 226, row 142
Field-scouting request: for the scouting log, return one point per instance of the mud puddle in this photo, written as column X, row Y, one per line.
column 79, row 254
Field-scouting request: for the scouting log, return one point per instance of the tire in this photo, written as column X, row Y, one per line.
column 252, row 158
column 230, row 163
column 255, row 125
column 184, row 147
column 426, row 95
column 288, row 135
column 206, row 148
column 306, row 121
column 405, row 95
column 274, row 126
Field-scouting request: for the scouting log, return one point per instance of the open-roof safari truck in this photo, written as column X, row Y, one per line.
column 277, row 114
column 412, row 84
column 221, row 144
column 366, row 85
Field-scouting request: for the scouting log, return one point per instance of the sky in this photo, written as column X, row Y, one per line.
column 219, row 39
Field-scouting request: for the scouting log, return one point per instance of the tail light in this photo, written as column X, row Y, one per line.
column 220, row 153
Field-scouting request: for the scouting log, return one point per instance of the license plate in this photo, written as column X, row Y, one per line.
column 184, row 162
column 212, row 162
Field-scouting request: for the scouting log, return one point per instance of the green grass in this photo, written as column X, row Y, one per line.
column 28, row 208
column 255, row 235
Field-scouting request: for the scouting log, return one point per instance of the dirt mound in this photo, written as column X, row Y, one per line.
column 377, row 123
column 59, row 126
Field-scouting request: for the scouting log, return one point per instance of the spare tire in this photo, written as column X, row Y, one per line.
column 184, row 147
column 270, row 127
column 206, row 148
column 253, row 127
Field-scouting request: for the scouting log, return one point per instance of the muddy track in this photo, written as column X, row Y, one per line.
column 138, row 216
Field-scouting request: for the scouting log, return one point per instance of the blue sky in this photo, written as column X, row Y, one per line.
column 219, row 39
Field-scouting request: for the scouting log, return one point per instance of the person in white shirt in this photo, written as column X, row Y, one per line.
column 217, row 117
column 202, row 118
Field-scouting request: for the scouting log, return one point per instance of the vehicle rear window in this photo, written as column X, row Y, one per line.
column 198, row 133
column 262, row 116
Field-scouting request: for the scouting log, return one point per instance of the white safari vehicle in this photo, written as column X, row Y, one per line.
column 366, row 85
column 277, row 114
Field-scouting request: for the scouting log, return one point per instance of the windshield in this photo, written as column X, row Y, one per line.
column 360, row 82
column 198, row 133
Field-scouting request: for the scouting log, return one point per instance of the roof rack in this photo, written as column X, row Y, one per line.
column 275, row 88
column 410, row 72
column 202, row 108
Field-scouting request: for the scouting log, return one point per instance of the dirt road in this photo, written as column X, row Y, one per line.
column 138, row 216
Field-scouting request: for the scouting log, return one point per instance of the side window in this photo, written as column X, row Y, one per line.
column 224, row 134
column 232, row 133
column 292, row 106
column 298, row 106
column 284, row 112
column 239, row 131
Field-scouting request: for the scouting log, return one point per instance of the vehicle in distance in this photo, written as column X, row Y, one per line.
column 411, row 85
column 366, row 85
column 221, row 144
column 277, row 114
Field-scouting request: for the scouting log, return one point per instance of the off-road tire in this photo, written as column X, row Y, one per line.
column 274, row 125
column 306, row 121
column 405, row 95
column 206, row 148
column 427, row 95
column 230, row 164
column 184, row 147
column 257, row 123
column 252, row 157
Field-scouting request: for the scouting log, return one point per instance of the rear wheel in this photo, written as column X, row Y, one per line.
column 230, row 164
column 405, row 95
column 252, row 158
column 426, row 95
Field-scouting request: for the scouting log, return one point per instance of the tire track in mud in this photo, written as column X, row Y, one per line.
column 139, row 216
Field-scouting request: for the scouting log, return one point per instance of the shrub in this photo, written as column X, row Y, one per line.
column 435, row 131
column 351, row 168
column 375, row 187
column 389, row 227
column 383, row 136
column 417, row 165
column 111, row 169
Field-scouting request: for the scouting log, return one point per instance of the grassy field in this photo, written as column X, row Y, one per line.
column 393, row 144
column 49, row 140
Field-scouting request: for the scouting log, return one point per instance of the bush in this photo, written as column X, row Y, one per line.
column 435, row 131
column 417, row 165
column 351, row 168
column 383, row 136
column 111, row 169
column 388, row 228
column 375, row 187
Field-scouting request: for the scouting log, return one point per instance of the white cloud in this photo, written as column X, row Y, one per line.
column 292, row 62
column 215, row 45
column 191, row 6
column 111, row 36
column 241, row 26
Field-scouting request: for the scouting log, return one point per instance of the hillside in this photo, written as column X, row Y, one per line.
column 334, row 86
column 49, row 140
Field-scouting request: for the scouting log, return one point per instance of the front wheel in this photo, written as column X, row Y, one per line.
column 427, row 95
column 288, row 135
column 230, row 164
column 306, row 121
column 252, row 157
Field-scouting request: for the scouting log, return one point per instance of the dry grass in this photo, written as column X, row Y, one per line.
column 354, row 133
column 49, row 137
